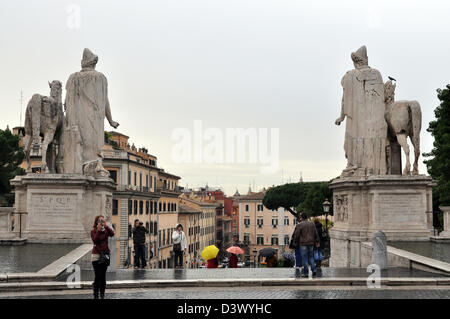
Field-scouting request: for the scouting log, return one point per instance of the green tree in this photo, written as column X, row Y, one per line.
column 438, row 164
column 11, row 156
column 315, row 196
column 108, row 140
column 298, row 197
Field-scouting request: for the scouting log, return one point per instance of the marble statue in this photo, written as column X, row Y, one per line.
column 86, row 107
column 44, row 116
column 363, row 107
column 404, row 120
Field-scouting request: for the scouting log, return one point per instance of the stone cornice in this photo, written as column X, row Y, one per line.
column 67, row 179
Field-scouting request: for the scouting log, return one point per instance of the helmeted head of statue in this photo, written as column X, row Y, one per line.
column 360, row 58
column 89, row 59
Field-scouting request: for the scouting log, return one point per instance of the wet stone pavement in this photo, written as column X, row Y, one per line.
column 255, row 293
column 247, row 273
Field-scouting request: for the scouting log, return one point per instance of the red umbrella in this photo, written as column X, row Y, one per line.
column 235, row 250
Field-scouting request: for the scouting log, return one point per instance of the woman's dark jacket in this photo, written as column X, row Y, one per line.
column 100, row 239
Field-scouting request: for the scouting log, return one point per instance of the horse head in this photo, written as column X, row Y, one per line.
column 56, row 90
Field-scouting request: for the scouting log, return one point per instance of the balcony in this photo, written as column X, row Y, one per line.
column 132, row 188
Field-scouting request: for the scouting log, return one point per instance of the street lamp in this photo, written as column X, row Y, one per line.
column 326, row 209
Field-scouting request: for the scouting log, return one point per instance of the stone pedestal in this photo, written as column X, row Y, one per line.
column 6, row 223
column 400, row 206
column 61, row 207
column 446, row 216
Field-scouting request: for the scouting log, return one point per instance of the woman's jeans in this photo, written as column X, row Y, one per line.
column 298, row 257
column 307, row 253
column 179, row 258
column 100, row 278
column 318, row 255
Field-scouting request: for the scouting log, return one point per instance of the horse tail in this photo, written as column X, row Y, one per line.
column 416, row 121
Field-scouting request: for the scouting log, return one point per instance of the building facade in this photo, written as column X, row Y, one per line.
column 260, row 227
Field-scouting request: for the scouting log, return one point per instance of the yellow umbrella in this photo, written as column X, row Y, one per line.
column 210, row 252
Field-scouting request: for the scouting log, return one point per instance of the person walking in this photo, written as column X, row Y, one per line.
column 100, row 254
column 296, row 247
column 318, row 249
column 271, row 261
column 233, row 261
column 139, row 232
column 305, row 236
column 213, row 263
column 179, row 245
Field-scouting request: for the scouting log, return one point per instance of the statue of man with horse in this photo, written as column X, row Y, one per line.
column 377, row 126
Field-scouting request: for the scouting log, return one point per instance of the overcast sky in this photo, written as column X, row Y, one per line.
column 230, row 64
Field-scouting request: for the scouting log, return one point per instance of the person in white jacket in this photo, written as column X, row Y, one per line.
column 179, row 245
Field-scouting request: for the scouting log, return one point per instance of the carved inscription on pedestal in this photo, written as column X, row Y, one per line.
column 53, row 209
column 400, row 208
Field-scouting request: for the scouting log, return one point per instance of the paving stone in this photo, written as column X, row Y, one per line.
column 260, row 293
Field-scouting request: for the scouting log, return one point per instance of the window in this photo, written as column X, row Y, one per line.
column 260, row 240
column 155, row 210
column 115, row 207
column 135, row 207
column 164, row 238
column 274, row 222
column 155, row 228
column 147, row 208
column 151, row 181
column 129, row 177
column 151, row 207
column 260, row 207
column 146, row 181
column 246, row 239
column 294, row 221
column 140, row 179
column 260, row 222
column 164, row 207
column 286, row 221
column 130, row 207
column 141, row 207
column 135, row 178
column 175, row 207
column 129, row 230
column 274, row 241
column 151, row 228
column 147, row 225
column 113, row 175
column 246, row 208
column 286, row 240
column 160, row 206
column 247, row 222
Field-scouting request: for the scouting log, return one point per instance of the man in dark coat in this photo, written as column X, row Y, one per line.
column 139, row 232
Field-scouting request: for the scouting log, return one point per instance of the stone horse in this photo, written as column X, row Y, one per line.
column 44, row 117
column 404, row 119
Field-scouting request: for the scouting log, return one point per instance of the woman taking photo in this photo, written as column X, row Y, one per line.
column 100, row 254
